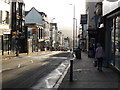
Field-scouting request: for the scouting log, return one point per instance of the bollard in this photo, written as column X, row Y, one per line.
column 71, row 70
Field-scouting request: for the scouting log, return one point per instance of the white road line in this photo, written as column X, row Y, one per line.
column 19, row 65
column 58, row 72
column 31, row 61
column 51, row 79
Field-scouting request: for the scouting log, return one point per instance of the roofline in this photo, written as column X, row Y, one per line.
column 113, row 13
column 32, row 24
column 37, row 11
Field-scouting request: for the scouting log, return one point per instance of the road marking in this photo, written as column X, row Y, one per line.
column 58, row 72
column 59, row 57
column 19, row 65
column 51, row 79
column 31, row 61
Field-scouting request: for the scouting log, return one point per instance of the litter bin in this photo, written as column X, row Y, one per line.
column 78, row 53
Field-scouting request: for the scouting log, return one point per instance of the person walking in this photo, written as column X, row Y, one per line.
column 99, row 55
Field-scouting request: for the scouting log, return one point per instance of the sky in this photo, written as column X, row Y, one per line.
column 61, row 10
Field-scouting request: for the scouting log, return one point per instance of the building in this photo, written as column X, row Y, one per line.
column 4, row 26
column 96, row 33
column 38, row 30
column 46, row 27
column 53, row 35
column 12, row 28
column 100, row 32
column 66, row 43
column 111, row 15
column 91, row 28
column 83, row 38
column 18, row 32
column 60, row 44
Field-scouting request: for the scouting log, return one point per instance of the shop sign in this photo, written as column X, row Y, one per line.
column 1, row 32
column 83, row 19
column 34, row 31
column 6, row 31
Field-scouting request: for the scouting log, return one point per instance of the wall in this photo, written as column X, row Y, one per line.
column 110, row 6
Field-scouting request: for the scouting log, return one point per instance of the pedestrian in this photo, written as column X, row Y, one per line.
column 99, row 55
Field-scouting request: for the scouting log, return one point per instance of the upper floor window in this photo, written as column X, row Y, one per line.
column 0, row 16
column 7, row 17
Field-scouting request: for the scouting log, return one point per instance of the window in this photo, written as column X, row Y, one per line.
column 7, row 17
column 117, row 43
column 0, row 16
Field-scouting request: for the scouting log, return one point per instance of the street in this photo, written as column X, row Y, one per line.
column 25, row 71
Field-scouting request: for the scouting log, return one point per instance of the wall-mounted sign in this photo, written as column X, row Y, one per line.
column 34, row 31
column 6, row 31
column 83, row 19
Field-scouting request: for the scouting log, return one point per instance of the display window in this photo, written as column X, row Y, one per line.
column 116, row 42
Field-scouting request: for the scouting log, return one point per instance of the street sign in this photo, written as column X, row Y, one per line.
column 34, row 31
column 83, row 19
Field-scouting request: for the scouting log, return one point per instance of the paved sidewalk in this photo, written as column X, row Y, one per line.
column 10, row 56
column 10, row 62
column 86, row 76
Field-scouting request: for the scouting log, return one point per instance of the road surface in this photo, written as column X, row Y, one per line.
column 25, row 72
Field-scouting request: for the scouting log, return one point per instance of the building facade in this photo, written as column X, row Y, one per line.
column 18, row 32
column 4, row 26
column 111, row 13
column 38, row 30
column 53, row 36
column 96, row 32
column 91, row 28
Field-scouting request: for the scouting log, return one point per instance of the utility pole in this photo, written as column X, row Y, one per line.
column 73, row 25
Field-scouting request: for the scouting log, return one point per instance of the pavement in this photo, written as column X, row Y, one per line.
column 11, row 55
column 8, row 59
column 86, row 76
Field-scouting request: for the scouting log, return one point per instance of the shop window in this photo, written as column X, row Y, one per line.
column 117, row 43
column 113, row 41
column 5, row 41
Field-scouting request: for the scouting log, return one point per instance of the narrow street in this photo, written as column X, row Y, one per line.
column 59, row 44
column 25, row 71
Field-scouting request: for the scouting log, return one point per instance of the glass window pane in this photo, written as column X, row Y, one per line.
column 117, row 43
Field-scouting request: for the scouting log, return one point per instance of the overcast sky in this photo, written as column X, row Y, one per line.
column 61, row 10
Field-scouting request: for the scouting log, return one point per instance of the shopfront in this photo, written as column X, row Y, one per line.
column 112, row 28
column 115, row 34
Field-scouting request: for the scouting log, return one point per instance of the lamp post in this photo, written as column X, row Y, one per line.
column 76, row 32
column 73, row 24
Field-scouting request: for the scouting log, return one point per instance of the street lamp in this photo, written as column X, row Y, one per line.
column 73, row 23
column 76, row 31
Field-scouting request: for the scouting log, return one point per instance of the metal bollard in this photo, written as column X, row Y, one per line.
column 71, row 70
